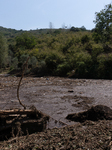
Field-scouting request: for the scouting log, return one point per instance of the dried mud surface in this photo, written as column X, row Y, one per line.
column 58, row 97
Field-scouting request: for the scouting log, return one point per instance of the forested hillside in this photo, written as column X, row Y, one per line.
column 74, row 52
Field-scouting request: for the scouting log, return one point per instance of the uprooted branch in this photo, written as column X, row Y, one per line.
column 10, row 112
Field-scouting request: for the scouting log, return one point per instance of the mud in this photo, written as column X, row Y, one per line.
column 54, row 96
column 96, row 113
column 58, row 97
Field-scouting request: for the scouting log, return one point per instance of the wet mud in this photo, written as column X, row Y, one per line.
column 55, row 96
column 58, row 97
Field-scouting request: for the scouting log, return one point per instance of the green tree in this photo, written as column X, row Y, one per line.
column 82, row 64
column 23, row 59
column 103, row 23
column 3, row 51
column 83, row 28
column 25, row 41
column 52, row 60
column 74, row 29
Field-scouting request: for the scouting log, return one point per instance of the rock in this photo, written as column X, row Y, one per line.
column 95, row 113
column 70, row 91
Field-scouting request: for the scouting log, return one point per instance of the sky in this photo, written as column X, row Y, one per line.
column 37, row 14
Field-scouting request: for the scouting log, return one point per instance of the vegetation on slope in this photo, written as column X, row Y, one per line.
column 74, row 52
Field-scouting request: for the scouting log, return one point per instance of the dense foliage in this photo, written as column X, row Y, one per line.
column 3, row 51
column 104, row 24
column 74, row 52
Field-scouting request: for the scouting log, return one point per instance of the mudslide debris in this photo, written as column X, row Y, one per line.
column 95, row 113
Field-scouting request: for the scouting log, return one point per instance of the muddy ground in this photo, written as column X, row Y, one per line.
column 58, row 97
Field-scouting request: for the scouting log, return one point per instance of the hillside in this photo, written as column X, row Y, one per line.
column 74, row 52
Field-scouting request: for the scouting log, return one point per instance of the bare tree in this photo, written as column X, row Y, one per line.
column 24, row 67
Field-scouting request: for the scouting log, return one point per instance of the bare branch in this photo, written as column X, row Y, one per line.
column 24, row 66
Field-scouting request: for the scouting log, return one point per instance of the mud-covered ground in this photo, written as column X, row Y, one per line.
column 58, row 97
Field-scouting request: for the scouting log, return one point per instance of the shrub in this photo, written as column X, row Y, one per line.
column 82, row 63
column 14, row 63
column 53, row 60
column 101, row 59
column 22, row 60
column 33, row 62
column 108, row 66
column 26, row 41
column 88, row 47
column 96, row 50
column 42, row 68
column 85, row 39
column 63, row 69
column 3, row 51
column 105, row 66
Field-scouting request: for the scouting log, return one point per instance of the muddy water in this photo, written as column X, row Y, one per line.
column 56, row 97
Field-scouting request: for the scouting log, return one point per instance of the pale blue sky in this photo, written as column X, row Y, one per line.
column 33, row 14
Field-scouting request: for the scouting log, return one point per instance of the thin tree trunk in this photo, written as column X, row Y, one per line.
column 24, row 66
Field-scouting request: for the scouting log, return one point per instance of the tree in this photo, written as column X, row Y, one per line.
column 23, row 59
column 83, row 28
column 74, row 29
column 52, row 61
column 103, row 23
column 25, row 41
column 3, row 51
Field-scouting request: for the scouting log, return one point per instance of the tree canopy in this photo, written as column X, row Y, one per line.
column 104, row 23
column 25, row 41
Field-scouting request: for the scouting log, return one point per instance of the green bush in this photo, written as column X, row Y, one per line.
column 68, row 44
column 22, row 60
column 26, row 41
column 83, row 64
column 42, row 68
column 85, row 39
column 97, row 49
column 3, row 51
column 105, row 66
column 53, row 60
column 81, row 70
column 80, row 62
column 14, row 64
column 88, row 47
column 33, row 62
column 63, row 69
column 101, row 59
column 108, row 66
